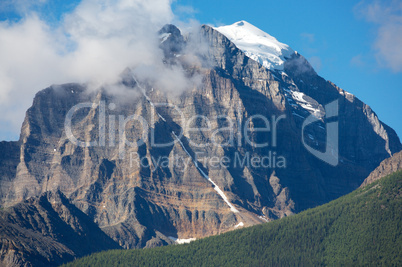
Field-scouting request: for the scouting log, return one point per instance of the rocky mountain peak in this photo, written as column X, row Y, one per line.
column 172, row 42
column 208, row 177
column 257, row 45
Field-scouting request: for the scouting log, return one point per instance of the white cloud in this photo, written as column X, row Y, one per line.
column 186, row 10
column 310, row 37
column 96, row 42
column 316, row 63
column 389, row 46
column 357, row 61
column 21, row 6
column 387, row 16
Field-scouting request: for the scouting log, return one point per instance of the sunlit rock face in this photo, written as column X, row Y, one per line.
column 156, row 174
column 387, row 167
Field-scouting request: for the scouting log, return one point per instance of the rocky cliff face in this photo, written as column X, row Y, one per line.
column 9, row 158
column 48, row 230
column 141, row 194
column 387, row 167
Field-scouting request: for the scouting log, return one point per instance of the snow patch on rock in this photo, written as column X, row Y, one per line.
column 241, row 224
column 182, row 241
column 257, row 45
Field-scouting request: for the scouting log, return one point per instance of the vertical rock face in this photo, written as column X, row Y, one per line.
column 9, row 158
column 140, row 194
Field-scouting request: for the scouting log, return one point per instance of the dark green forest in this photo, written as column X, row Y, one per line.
column 361, row 228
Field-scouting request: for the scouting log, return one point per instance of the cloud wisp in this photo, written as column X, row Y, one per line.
column 92, row 44
column 387, row 16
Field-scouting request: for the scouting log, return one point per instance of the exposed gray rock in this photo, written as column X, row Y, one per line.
column 141, row 206
column 48, row 231
column 387, row 167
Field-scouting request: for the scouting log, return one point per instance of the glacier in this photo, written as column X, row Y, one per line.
column 257, row 44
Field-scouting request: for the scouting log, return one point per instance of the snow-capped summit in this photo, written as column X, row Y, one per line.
column 257, row 45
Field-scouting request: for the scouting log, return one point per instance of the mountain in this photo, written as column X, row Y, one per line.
column 388, row 166
column 258, row 45
column 360, row 229
column 147, row 167
column 48, row 231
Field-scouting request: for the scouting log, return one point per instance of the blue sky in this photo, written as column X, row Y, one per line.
column 355, row 44
column 338, row 37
